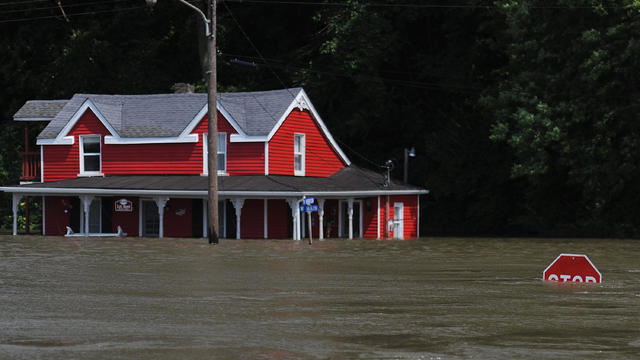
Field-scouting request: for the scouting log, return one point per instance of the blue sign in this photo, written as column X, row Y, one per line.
column 309, row 208
column 309, row 201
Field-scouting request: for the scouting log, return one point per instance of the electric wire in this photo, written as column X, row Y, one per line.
column 65, row 6
column 93, row 12
column 274, row 72
column 22, row 2
column 417, row 6
column 256, row 48
column 402, row 82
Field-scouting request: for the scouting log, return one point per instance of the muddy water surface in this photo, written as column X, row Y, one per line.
column 338, row 299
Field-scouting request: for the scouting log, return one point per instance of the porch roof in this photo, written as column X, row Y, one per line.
column 350, row 181
column 39, row 110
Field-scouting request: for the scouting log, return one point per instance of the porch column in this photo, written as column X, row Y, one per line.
column 320, row 218
column 160, row 203
column 350, row 212
column 14, row 206
column 205, row 219
column 86, row 207
column 293, row 204
column 266, row 219
column 237, row 204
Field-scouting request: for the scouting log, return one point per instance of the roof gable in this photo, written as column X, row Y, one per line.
column 63, row 137
column 302, row 102
column 170, row 118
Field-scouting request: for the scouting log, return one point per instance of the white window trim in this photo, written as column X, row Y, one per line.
column 398, row 220
column 82, row 154
column 205, row 153
column 303, row 150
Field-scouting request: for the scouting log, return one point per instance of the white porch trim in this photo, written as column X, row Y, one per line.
column 160, row 203
column 237, row 205
column 320, row 218
column 266, row 219
column 15, row 200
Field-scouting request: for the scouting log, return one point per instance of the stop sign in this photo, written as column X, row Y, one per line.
column 572, row 268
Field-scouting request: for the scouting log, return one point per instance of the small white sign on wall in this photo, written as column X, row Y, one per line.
column 123, row 205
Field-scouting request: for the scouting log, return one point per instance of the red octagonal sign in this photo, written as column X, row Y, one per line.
column 572, row 268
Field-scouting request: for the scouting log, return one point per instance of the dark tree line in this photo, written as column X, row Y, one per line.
column 522, row 112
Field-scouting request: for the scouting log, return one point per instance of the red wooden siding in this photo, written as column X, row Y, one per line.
column 320, row 158
column 277, row 219
column 245, row 158
column 252, row 219
column 62, row 161
column 128, row 221
column 56, row 219
column 242, row 158
column 369, row 215
column 177, row 218
column 410, row 215
column 148, row 159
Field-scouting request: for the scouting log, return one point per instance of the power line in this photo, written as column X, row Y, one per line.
column 56, row 7
column 257, row 50
column 23, row 2
column 72, row 15
column 315, row 3
column 401, row 82
column 415, row 6
column 282, row 82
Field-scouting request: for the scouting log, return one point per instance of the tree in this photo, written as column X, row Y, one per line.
column 566, row 103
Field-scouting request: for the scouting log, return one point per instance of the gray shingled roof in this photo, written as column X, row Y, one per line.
column 39, row 110
column 167, row 115
column 258, row 112
column 351, row 178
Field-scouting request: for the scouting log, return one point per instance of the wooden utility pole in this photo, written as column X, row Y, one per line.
column 212, row 132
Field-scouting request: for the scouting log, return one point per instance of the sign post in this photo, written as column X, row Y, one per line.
column 308, row 207
column 572, row 268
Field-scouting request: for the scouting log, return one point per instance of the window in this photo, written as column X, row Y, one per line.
column 90, row 155
column 221, row 153
column 298, row 154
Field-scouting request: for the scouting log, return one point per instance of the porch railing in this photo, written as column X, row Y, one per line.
column 30, row 166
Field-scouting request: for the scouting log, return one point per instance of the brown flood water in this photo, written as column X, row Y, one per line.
column 441, row 298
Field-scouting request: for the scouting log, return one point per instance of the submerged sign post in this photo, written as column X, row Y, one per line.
column 572, row 268
column 308, row 207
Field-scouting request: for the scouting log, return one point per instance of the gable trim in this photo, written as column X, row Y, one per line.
column 204, row 111
column 113, row 140
column 237, row 138
column 87, row 105
column 302, row 101
column 67, row 140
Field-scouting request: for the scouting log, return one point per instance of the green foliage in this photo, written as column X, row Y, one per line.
column 566, row 106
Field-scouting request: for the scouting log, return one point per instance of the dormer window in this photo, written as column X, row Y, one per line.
column 298, row 154
column 221, row 153
column 90, row 155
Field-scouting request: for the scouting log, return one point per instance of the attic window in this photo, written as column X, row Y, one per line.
column 298, row 154
column 90, row 154
column 221, row 153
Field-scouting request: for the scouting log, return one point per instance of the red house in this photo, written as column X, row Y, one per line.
column 139, row 162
